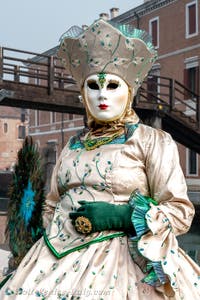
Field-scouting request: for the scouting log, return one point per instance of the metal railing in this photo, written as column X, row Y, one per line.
column 171, row 96
column 33, row 69
column 25, row 67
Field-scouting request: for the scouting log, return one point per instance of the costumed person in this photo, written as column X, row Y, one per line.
column 118, row 197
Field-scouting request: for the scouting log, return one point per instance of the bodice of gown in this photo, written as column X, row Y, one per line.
column 108, row 173
column 147, row 161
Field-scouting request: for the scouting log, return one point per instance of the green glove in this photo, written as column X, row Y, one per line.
column 104, row 216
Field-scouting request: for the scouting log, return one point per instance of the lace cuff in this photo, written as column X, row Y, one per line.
column 141, row 204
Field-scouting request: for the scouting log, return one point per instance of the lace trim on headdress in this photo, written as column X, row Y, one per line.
column 73, row 32
column 130, row 31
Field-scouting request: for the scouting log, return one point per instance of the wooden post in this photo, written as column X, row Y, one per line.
column 61, row 80
column 50, row 75
column 1, row 64
column 16, row 73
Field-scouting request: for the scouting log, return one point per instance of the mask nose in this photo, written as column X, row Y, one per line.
column 102, row 95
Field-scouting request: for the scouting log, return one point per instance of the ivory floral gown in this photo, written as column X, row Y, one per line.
column 109, row 265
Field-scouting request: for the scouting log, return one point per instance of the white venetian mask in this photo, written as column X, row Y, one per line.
column 106, row 96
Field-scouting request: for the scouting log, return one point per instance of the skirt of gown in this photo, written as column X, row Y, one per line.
column 102, row 271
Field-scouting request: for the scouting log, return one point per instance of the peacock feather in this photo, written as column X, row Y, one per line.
column 27, row 204
column 26, row 194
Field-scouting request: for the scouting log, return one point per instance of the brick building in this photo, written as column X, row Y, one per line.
column 13, row 128
column 53, row 129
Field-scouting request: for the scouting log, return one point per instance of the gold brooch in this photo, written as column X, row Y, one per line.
column 83, row 225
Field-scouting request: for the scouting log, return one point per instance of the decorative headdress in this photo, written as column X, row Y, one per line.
column 107, row 47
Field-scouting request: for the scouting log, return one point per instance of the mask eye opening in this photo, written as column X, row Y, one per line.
column 92, row 85
column 112, row 86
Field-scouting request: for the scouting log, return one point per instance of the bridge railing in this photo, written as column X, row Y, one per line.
column 25, row 67
column 32, row 68
column 170, row 95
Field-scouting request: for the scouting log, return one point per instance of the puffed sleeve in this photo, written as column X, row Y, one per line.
column 174, row 213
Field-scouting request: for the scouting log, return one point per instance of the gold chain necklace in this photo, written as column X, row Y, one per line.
column 91, row 144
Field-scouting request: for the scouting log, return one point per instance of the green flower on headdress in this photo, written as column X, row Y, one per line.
column 102, row 78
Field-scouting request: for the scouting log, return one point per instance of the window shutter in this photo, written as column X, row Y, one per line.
column 154, row 30
column 192, row 18
column 192, row 162
column 21, row 132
